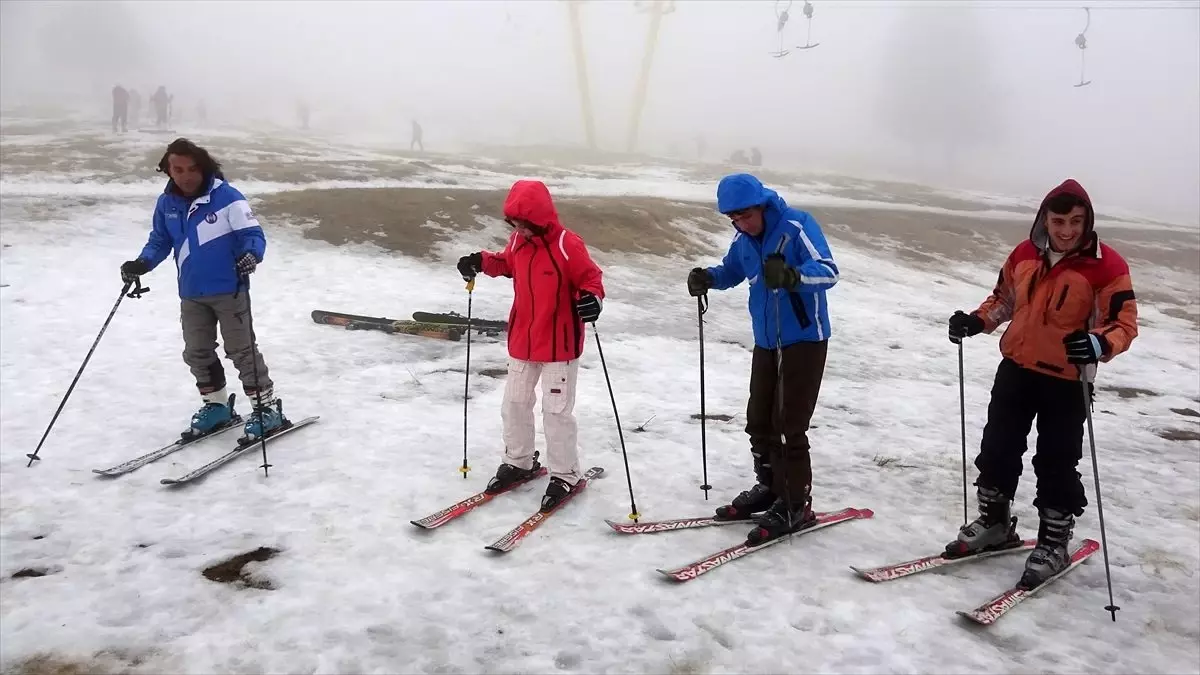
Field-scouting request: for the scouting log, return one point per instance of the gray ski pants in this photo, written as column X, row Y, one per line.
column 200, row 318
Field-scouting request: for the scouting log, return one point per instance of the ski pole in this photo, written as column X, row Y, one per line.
column 701, row 308
column 245, row 280
column 467, row 377
column 962, row 415
column 1087, row 408
column 633, row 512
column 787, row 488
column 135, row 293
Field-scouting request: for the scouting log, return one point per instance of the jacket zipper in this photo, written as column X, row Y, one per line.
column 557, row 300
column 532, row 307
column 1062, row 297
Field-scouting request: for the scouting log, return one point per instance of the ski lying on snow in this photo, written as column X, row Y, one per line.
column 932, row 562
column 240, row 450
column 467, row 505
column 708, row 563
column 138, row 462
column 514, row 537
column 650, row 527
column 990, row 612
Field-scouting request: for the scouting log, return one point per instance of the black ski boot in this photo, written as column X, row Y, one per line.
column 775, row 522
column 993, row 530
column 1051, row 555
column 508, row 475
column 756, row 499
column 556, row 492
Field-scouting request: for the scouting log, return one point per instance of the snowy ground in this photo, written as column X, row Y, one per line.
column 356, row 588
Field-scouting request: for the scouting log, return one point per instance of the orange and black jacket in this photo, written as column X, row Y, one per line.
column 1089, row 289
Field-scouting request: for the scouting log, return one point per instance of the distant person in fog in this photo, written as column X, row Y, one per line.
column 120, row 105
column 162, row 102
column 416, row 137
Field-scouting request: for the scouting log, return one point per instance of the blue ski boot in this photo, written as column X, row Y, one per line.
column 214, row 416
column 265, row 420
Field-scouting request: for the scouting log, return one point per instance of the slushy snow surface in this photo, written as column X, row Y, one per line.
column 357, row 589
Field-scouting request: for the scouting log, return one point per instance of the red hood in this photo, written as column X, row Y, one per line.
column 1037, row 233
column 530, row 200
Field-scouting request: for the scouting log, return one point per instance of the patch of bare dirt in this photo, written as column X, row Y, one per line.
column 398, row 218
column 1129, row 392
column 230, row 571
column 1179, row 434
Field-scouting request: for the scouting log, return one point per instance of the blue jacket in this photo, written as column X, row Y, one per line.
column 803, row 314
column 207, row 235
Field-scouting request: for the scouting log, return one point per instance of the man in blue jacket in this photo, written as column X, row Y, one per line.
column 783, row 254
column 217, row 243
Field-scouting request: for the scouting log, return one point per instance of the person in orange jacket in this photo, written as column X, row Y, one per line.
column 557, row 288
column 1070, row 303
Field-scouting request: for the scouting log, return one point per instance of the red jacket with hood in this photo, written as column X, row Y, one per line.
column 549, row 272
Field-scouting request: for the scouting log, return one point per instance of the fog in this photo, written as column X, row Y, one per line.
column 976, row 95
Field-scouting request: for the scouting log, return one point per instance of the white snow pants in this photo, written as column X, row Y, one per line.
column 558, row 416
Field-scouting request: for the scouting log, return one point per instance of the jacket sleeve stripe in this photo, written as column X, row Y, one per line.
column 1116, row 302
column 829, row 280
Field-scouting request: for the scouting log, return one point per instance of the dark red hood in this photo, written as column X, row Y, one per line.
column 530, row 200
column 1037, row 233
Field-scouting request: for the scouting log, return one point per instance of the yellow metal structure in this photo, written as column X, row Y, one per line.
column 581, row 77
column 657, row 9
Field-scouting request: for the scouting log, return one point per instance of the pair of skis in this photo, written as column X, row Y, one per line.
column 725, row 556
column 515, row 536
column 241, row 448
column 991, row 611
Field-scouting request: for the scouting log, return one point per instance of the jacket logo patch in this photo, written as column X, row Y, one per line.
column 249, row 215
column 173, row 214
column 556, row 391
column 210, row 218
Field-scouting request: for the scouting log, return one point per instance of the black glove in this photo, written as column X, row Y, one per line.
column 963, row 325
column 1084, row 347
column 777, row 273
column 699, row 281
column 588, row 307
column 246, row 263
column 470, row 265
column 132, row 269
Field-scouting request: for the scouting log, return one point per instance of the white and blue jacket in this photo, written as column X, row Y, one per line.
column 802, row 314
column 207, row 234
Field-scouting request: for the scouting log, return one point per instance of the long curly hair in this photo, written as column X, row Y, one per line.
column 186, row 148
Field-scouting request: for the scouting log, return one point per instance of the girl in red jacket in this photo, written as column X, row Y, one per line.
column 557, row 288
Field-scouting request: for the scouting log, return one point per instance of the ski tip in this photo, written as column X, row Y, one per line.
column 497, row 549
column 865, row 513
column 1089, row 545
column 973, row 618
column 423, row 527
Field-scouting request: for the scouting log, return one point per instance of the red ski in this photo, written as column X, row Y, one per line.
column 990, row 612
column 932, row 562
column 708, row 563
column 467, row 505
column 514, row 537
column 651, row 527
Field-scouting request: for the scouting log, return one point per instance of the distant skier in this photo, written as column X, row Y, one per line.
column 1070, row 302
column 416, row 137
column 755, row 157
column 783, row 253
column 120, row 100
column 161, row 102
column 217, row 243
column 557, row 288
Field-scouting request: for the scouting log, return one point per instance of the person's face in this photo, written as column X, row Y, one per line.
column 748, row 220
column 187, row 176
column 523, row 227
column 1066, row 229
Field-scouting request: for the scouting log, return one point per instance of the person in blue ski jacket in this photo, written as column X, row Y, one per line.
column 783, row 254
column 216, row 241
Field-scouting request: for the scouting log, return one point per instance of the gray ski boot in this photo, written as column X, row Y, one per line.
column 1051, row 555
column 994, row 529
column 756, row 499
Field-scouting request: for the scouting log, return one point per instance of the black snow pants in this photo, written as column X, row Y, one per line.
column 779, row 433
column 1018, row 396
